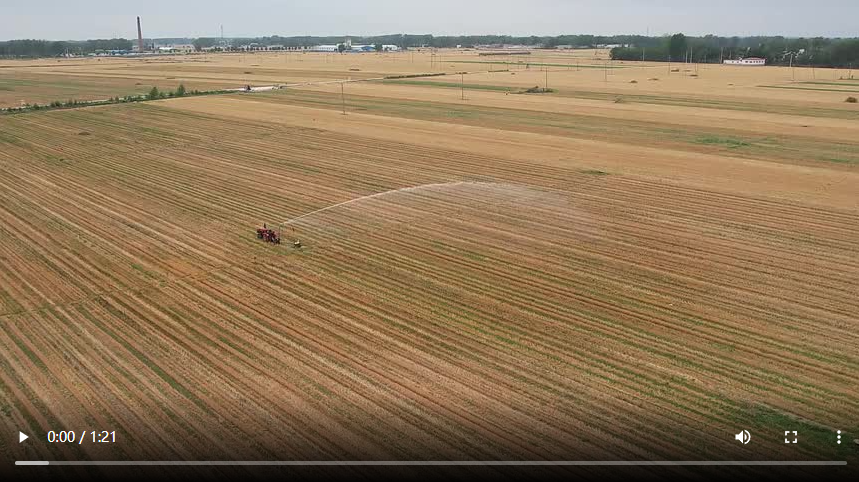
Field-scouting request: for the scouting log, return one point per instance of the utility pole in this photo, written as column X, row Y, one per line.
column 811, row 58
column 792, row 69
column 343, row 97
column 691, row 60
column 547, row 78
column 462, row 84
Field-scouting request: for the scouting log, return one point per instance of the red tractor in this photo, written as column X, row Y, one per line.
column 268, row 235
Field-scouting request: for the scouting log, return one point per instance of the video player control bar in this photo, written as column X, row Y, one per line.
column 437, row 462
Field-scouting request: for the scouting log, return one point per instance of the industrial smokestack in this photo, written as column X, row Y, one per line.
column 139, row 36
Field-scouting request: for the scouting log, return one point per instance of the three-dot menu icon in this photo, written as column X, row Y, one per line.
column 839, row 437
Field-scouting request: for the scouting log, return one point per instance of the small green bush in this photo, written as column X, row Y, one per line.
column 535, row 90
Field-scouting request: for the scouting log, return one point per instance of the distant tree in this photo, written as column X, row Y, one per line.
column 341, row 47
column 58, row 48
column 107, row 44
column 154, row 94
column 180, row 91
column 677, row 45
column 378, row 47
column 204, row 42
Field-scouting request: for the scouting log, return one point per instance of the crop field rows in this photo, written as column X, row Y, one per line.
column 511, row 308
column 18, row 88
column 794, row 149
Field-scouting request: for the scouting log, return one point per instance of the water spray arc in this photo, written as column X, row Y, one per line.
column 289, row 222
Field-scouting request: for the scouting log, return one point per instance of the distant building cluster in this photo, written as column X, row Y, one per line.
column 176, row 49
column 348, row 47
column 143, row 47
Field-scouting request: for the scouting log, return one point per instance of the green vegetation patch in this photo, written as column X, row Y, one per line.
column 814, row 437
column 412, row 76
column 847, row 83
column 839, row 160
column 451, row 85
column 722, row 141
column 789, row 87
column 10, row 139
column 535, row 90
column 536, row 64
column 461, row 114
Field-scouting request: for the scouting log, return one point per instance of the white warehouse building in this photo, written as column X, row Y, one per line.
column 323, row 48
column 353, row 48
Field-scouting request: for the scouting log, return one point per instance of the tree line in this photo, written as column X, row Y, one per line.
column 818, row 51
column 428, row 40
column 49, row 48
column 154, row 94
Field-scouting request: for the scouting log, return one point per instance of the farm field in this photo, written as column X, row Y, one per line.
column 46, row 80
column 574, row 73
column 613, row 270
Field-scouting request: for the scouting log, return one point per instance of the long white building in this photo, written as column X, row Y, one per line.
column 353, row 48
column 747, row 61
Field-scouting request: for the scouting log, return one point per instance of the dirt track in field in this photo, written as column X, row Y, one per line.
column 550, row 296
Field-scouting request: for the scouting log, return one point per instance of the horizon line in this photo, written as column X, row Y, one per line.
column 662, row 35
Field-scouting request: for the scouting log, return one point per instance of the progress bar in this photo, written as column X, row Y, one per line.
column 435, row 462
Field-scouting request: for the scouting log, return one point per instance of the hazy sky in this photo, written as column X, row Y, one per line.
column 81, row 19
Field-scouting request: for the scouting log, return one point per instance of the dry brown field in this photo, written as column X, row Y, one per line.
column 615, row 269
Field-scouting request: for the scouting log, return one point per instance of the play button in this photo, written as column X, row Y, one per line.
column 22, row 436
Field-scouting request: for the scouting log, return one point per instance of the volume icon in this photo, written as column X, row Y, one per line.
column 744, row 436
